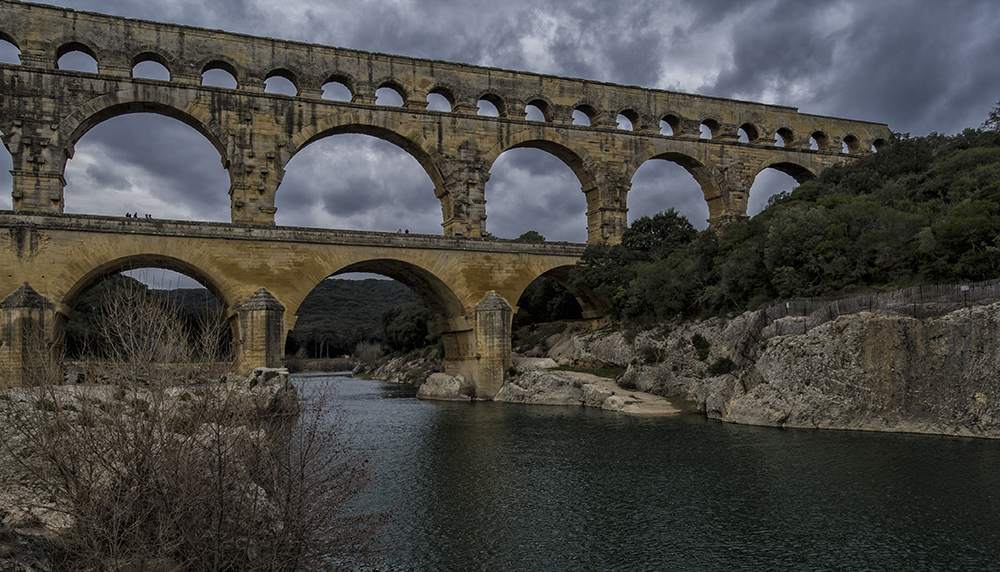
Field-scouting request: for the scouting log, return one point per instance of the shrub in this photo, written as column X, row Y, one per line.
column 701, row 345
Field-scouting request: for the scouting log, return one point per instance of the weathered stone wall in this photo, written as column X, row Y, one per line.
column 46, row 110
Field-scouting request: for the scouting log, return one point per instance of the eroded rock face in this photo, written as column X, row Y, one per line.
column 878, row 372
column 863, row 371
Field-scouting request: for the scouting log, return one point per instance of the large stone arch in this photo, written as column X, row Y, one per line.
column 367, row 123
column 66, row 301
column 438, row 296
column 573, row 155
column 100, row 109
column 708, row 178
column 593, row 304
column 795, row 170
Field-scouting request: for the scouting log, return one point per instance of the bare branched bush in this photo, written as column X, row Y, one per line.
column 368, row 353
column 146, row 474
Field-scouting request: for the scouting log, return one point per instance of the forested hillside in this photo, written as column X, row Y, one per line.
column 338, row 314
column 921, row 210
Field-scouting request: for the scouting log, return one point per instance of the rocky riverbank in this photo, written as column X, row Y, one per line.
column 97, row 431
column 862, row 371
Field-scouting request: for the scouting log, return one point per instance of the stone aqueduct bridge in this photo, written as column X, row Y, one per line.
column 44, row 111
column 261, row 275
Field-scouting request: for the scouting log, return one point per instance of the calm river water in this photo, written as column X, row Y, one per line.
column 491, row 486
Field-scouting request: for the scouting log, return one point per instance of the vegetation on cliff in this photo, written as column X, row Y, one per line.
column 921, row 210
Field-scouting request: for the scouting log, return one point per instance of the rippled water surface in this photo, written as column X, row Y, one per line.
column 491, row 486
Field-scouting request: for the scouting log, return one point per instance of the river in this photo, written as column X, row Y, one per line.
column 492, row 486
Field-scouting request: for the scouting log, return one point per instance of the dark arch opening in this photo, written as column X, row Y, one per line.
column 9, row 54
column 168, row 309
column 784, row 137
column 851, row 144
column 748, row 133
column 710, row 129
column 359, row 178
column 161, row 163
column 536, row 186
column 75, row 56
column 670, row 125
column 819, row 141
column 150, row 69
column 440, row 99
column 668, row 182
column 537, row 110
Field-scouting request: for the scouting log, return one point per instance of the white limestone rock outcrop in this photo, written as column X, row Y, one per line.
column 444, row 387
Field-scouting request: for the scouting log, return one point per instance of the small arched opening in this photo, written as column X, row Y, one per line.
column 440, row 99
column 281, row 82
column 710, row 128
column 491, row 105
column 850, row 144
column 627, row 120
column 670, row 125
column 583, row 115
column 337, row 89
column 219, row 74
column 748, row 133
column 537, row 110
column 389, row 95
column 9, row 54
column 783, row 137
column 149, row 65
column 76, row 57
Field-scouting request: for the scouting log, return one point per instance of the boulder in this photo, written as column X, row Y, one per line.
column 444, row 387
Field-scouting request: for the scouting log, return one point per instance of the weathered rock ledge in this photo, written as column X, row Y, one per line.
column 862, row 371
column 540, row 387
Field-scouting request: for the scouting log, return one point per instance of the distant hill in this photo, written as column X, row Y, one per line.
column 339, row 313
column 332, row 319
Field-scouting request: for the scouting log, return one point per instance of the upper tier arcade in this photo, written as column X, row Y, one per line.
column 44, row 111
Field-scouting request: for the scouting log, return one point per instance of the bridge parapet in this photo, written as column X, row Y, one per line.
column 47, row 110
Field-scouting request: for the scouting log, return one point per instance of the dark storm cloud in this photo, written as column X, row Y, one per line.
column 918, row 65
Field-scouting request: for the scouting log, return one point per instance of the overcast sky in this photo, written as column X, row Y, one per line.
column 920, row 66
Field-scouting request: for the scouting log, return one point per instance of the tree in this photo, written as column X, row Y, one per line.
column 992, row 122
column 531, row 236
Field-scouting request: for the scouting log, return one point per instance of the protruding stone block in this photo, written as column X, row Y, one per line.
column 493, row 319
column 26, row 356
column 260, row 332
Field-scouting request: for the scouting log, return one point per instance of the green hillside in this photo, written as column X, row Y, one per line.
column 922, row 210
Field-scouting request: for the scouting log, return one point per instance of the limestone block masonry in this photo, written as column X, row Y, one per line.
column 46, row 110
column 261, row 273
